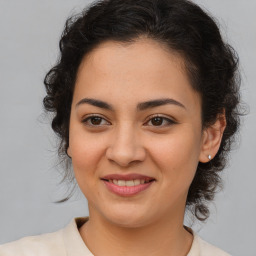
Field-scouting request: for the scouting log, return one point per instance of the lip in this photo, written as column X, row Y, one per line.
column 130, row 176
column 126, row 191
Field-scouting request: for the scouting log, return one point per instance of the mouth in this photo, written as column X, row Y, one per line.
column 127, row 185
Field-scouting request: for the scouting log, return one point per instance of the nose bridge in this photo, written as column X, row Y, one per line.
column 125, row 146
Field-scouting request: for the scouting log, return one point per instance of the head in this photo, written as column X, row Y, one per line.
column 199, row 68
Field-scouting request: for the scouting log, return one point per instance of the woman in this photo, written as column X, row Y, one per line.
column 145, row 99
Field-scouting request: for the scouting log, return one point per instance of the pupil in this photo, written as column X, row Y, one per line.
column 157, row 120
column 95, row 120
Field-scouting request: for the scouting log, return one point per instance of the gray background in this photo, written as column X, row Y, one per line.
column 29, row 34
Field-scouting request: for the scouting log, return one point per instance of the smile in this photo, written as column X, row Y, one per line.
column 127, row 185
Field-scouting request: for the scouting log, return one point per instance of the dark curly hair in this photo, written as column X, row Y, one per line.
column 183, row 27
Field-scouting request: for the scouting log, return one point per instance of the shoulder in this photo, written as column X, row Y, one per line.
column 41, row 245
column 202, row 248
column 66, row 241
column 207, row 249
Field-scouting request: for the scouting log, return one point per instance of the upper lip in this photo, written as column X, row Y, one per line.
column 131, row 176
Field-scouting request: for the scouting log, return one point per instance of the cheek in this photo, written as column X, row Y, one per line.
column 84, row 160
column 87, row 152
column 177, row 157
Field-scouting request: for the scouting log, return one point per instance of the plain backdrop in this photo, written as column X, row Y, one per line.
column 29, row 35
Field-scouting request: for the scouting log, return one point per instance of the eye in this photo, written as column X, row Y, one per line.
column 95, row 121
column 160, row 121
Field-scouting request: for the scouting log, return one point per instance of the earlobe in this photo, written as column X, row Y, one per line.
column 212, row 137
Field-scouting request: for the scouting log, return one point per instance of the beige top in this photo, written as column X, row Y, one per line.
column 68, row 242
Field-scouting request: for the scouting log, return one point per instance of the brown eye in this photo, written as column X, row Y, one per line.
column 95, row 121
column 160, row 121
column 157, row 121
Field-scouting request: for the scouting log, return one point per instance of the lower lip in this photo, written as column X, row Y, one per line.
column 125, row 190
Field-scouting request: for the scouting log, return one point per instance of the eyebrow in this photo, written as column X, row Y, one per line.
column 141, row 106
column 157, row 103
column 96, row 103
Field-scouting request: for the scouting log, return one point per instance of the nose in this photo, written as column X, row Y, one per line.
column 125, row 147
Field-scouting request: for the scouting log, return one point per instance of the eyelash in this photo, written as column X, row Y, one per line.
column 168, row 120
column 89, row 118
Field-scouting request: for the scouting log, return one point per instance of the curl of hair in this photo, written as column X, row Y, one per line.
column 182, row 27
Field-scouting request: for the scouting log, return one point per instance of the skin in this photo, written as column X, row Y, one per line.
column 127, row 140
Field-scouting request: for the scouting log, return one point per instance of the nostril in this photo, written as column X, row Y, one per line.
column 124, row 154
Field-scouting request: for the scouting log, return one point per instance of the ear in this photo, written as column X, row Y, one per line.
column 69, row 153
column 211, row 139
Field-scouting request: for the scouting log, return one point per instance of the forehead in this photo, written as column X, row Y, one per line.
column 143, row 69
column 143, row 55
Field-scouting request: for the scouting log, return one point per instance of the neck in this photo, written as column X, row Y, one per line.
column 166, row 236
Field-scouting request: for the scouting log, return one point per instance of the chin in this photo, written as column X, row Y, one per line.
column 128, row 217
column 127, row 222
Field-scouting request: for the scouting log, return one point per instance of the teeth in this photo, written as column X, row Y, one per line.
column 128, row 183
column 136, row 182
column 121, row 182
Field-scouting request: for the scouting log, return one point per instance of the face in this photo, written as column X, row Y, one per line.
column 135, row 132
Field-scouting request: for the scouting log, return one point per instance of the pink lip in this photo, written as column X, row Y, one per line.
column 131, row 176
column 125, row 190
